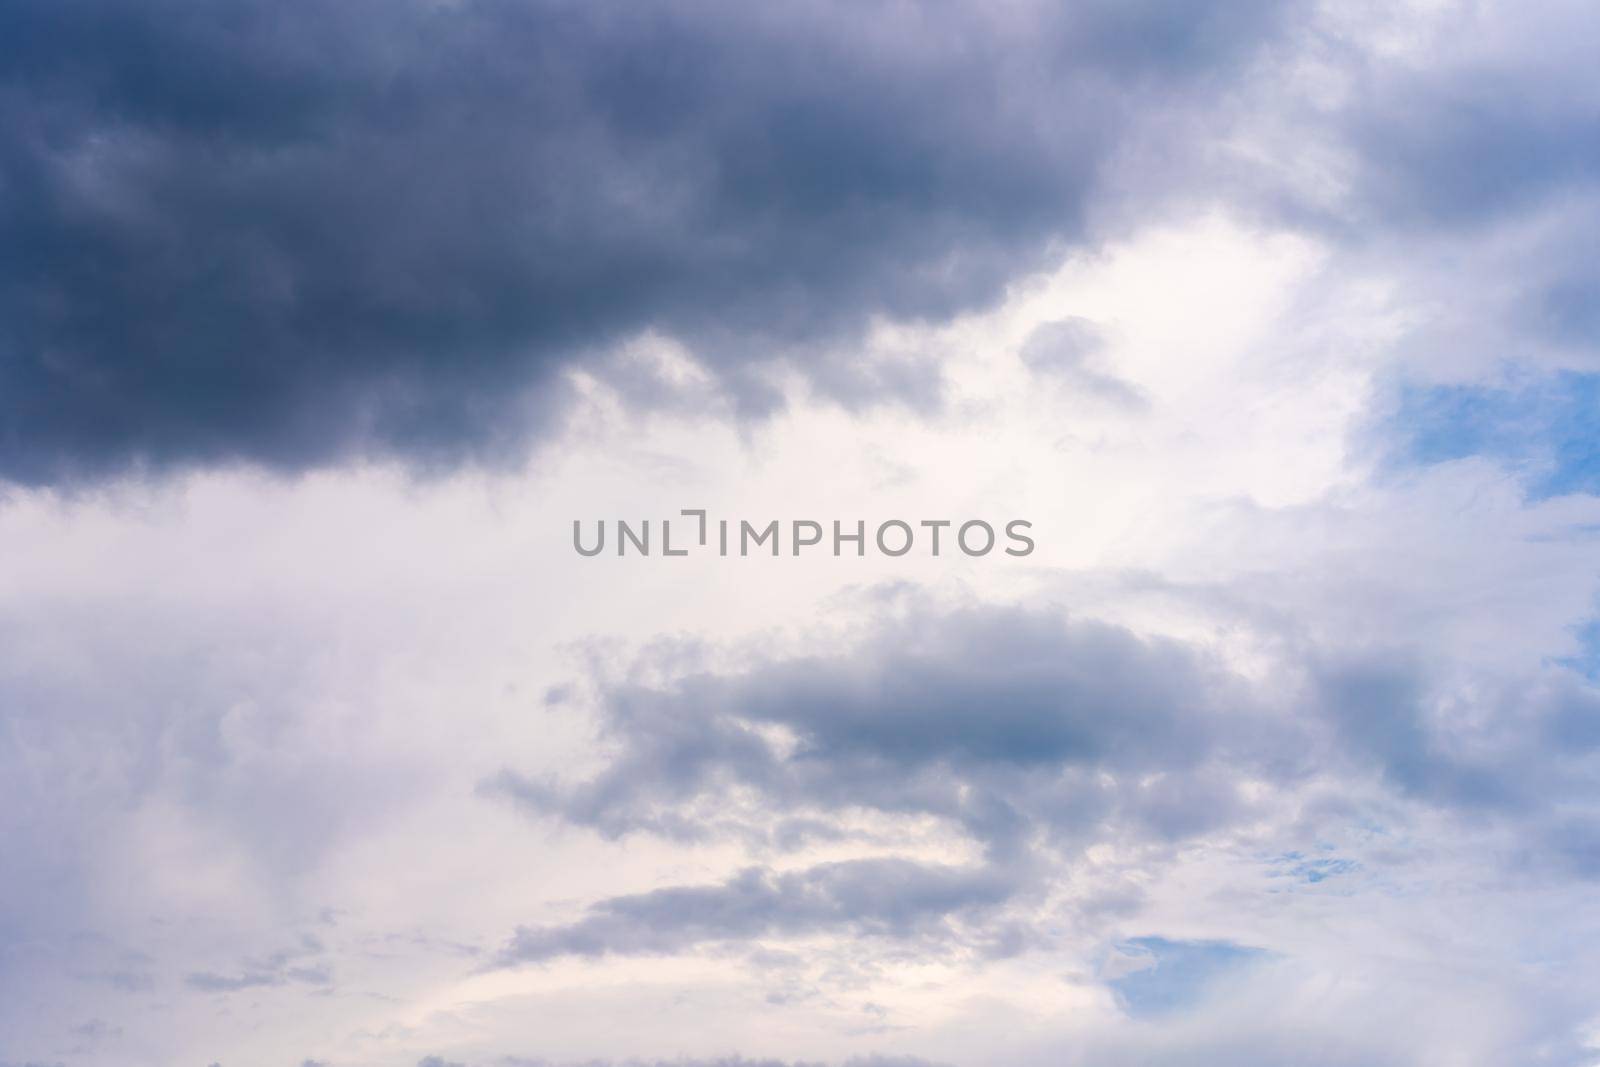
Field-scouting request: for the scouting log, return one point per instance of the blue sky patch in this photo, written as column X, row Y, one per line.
column 1548, row 430
column 1159, row 976
column 1587, row 661
column 1312, row 869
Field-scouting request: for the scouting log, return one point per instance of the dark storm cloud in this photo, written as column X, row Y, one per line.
column 286, row 231
column 883, row 897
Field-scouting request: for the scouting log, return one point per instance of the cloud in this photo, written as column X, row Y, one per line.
column 97, row 1030
column 723, row 1061
column 1526, row 749
column 279, row 968
column 1485, row 122
column 309, row 232
column 881, row 897
column 170, row 717
column 1458, row 167
column 208, row 982
column 1066, row 350
column 127, row 981
column 1006, row 722
column 1038, row 739
column 1312, row 743
column 1025, row 734
column 393, row 229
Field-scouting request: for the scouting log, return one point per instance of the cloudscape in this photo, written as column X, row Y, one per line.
column 892, row 534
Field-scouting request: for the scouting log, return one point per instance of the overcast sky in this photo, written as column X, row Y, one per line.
column 321, row 323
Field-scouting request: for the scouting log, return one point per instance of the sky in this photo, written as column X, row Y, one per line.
column 322, row 325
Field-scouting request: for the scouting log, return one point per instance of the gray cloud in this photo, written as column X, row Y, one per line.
column 290, row 965
column 1006, row 722
column 1029, row 734
column 891, row 898
column 305, row 231
column 1467, row 175
column 721, row 1061
column 1480, row 129
column 126, row 981
column 1527, row 750
column 1035, row 736
column 1065, row 350
column 210, row 982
